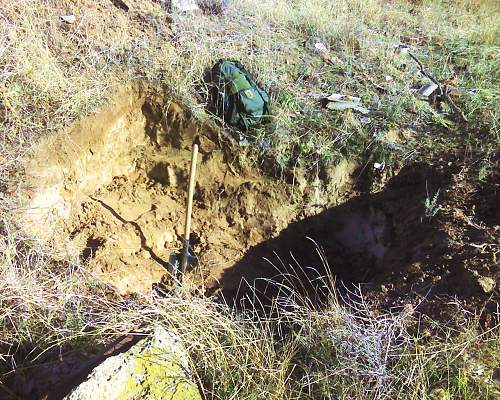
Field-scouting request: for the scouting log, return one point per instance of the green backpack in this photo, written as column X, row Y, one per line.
column 239, row 101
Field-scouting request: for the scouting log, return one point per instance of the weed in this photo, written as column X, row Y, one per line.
column 344, row 351
column 431, row 204
column 462, row 383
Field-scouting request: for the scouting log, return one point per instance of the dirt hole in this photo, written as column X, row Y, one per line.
column 110, row 191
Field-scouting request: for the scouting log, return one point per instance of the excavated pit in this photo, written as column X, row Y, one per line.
column 110, row 191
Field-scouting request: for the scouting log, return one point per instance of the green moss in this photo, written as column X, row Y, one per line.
column 158, row 376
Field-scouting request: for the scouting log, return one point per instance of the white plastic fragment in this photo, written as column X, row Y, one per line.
column 325, row 54
column 343, row 97
column 69, row 19
column 320, row 47
column 184, row 6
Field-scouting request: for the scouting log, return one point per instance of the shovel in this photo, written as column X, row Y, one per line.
column 186, row 258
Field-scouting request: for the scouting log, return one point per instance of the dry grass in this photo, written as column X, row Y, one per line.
column 52, row 73
column 67, row 70
column 347, row 351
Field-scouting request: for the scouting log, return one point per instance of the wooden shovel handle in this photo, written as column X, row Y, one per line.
column 189, row 204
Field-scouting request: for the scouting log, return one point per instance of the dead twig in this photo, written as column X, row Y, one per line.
column 443, row 90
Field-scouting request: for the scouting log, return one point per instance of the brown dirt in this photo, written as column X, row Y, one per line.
column 111, row 191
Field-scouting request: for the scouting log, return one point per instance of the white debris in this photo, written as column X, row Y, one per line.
column 320, row 47
column 428, row 89
column 402, row 49
column 340, row 102
column 184, row 6
column 69, row 19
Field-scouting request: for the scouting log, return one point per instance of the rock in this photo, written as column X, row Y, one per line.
column 184, row 6
column 171, row 177
column 145, row 254
column 154, row 368
column 163, row 239
column 169, row 236
column 486, row 283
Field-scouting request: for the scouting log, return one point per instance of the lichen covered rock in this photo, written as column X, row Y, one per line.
column 154, row 368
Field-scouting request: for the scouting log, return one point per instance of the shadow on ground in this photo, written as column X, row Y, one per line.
column 383, row 241
column 54, row 380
